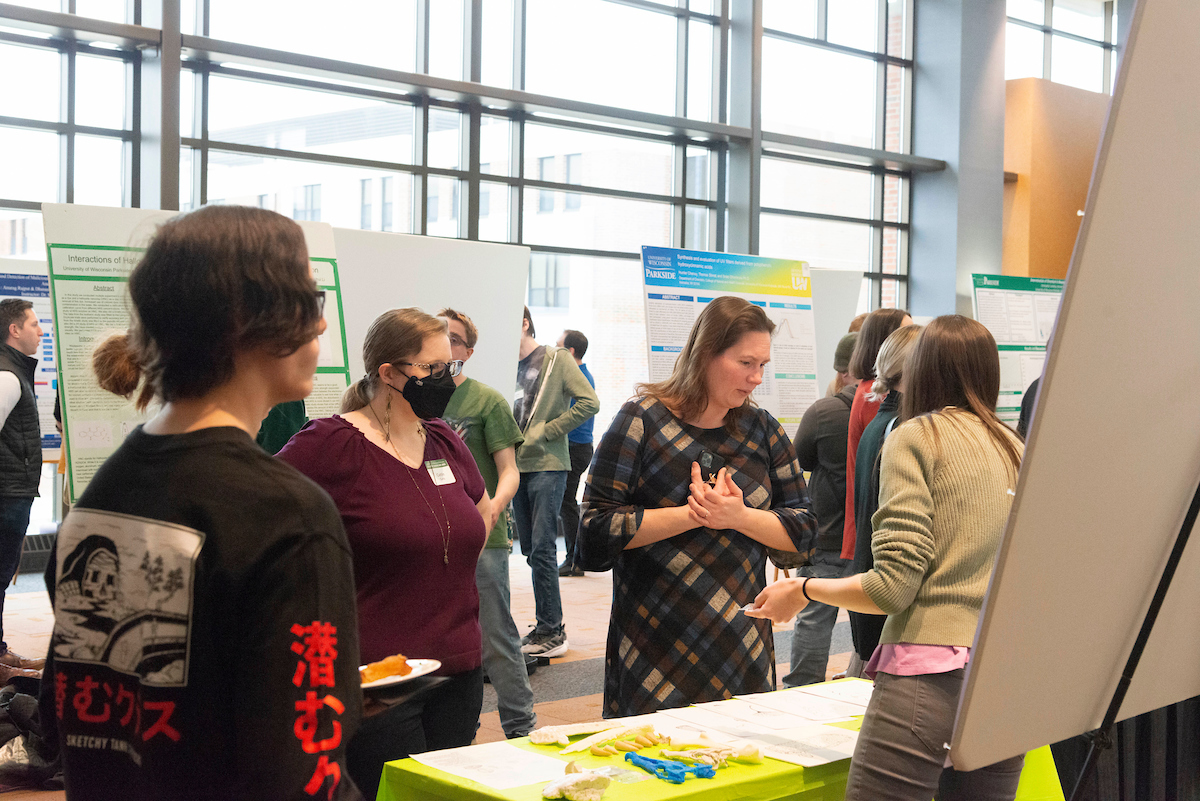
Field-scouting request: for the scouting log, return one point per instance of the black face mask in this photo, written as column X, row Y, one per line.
column 428, row 397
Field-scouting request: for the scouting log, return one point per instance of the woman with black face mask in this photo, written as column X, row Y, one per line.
column 413, row 504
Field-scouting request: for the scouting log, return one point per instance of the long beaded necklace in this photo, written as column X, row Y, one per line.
column 387, row 438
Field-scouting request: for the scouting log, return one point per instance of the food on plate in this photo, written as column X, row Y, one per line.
column 582, row 786
column 390, row 666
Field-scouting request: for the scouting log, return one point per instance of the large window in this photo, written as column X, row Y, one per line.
column 1067, row 41
column 501, row 120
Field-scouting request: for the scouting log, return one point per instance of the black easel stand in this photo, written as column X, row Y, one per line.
column 1102, row 737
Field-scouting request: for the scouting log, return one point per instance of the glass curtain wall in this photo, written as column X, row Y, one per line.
column 1066, row 41
column 582, row 129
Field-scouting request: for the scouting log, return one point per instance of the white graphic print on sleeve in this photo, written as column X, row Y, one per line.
column 124, row 594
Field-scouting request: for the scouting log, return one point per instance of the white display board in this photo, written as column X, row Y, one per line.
column 835, row 305
column 92, row 251
column 1020, row 313
column 1113, row 458
column 678, row 284
column 382, row 271
column 27, row 279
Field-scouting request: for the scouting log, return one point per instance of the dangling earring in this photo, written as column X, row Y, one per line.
column 387, row 419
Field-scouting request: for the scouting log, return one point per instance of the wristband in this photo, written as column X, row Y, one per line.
column 804, row 589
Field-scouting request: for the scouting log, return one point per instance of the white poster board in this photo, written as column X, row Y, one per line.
column 1020, row 313
column 92, row 251
column 382, row 271
column 835, row 305
column 1111, row 464
column 27, row 279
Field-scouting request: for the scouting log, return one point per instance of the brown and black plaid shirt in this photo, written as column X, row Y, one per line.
column 675, row 636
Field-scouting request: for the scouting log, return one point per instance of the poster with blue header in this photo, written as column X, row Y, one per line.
column 27, row 279
column 679, row 283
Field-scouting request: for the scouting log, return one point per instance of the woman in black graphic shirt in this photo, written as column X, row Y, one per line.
column 205, row 643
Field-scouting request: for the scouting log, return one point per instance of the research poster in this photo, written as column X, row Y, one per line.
column 28, row 281
column 1020, row 312
column 679, row 283
column 91, row 252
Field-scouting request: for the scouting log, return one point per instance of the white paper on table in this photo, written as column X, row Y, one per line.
column 811, row 707
column 809, row 745
column 697, row 719
column 852, row 691
column 500, row 766
column 748, row 713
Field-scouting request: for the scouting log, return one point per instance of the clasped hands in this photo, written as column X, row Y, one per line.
column 716, row 505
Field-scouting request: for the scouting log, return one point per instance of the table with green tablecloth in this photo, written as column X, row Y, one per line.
column 409, row 780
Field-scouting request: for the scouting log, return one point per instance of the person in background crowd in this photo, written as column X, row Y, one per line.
column 945, row 489
column 857, row 323
column 841, row 365
column 414, row 505
column 821, row 448
column 1028, row 401
column 281, row 424
column 887, row 389
column 20, row 456
column 690, row 486
column 879, row 324
column 480, row 415
column 205, row 642
column 552, row 399
column 579, row 445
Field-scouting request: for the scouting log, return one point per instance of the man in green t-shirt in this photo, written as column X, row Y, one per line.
column 483, row 419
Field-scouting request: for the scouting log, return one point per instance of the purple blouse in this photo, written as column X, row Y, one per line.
column 410, row 600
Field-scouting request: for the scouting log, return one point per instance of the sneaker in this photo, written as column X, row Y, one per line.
column 567, row 569
column 531, row 665
column 546, row 645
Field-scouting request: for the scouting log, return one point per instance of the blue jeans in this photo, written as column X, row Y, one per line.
column 14, row 521
column 502, row 658
column 538, row 499
column 814, row 625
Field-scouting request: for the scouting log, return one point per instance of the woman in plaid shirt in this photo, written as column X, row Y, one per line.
column 687, row 553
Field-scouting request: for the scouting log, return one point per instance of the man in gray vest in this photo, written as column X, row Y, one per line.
column 20, row 455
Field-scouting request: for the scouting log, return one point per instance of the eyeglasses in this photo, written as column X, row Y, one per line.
column 457, row 341
column 320, row 297
column 437, row 369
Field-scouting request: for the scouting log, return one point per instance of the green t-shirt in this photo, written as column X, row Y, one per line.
column 480, row 415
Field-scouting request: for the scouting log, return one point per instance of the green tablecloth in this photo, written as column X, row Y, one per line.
column 409, row 780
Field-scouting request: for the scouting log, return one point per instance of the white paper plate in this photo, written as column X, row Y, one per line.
column 420, row 667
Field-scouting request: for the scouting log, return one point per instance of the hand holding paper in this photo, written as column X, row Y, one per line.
column 779, row 602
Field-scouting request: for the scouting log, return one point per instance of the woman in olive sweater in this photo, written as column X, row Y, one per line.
column 947, row 477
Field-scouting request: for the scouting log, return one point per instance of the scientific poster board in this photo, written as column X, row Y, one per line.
column 333, row 364
column 1020, row 312
column 91, row 252
column 836, row 295
column 677, row 285
column 27, row 279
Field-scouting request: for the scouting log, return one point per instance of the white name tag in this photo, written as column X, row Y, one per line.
column 440, row 472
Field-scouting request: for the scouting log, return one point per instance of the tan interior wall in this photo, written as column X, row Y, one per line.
column 1051, row 134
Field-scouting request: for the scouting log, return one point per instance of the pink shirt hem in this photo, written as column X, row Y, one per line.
column 909, row 659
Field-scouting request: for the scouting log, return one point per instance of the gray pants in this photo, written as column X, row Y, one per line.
column 814, row 624
column 901, row 747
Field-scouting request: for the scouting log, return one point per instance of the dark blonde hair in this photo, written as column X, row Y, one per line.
column 467, row 323
column 954, row 362
column 213, row 283
column 877, row 327
column 394, row 336
column 718, row 328
column 889, row 364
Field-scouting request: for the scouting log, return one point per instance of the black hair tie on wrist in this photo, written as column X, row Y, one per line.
column 804, row 589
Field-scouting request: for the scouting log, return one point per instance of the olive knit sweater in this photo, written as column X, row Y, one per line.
column 943, row 504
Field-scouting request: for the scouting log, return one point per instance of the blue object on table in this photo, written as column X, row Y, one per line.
column 668, row 770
